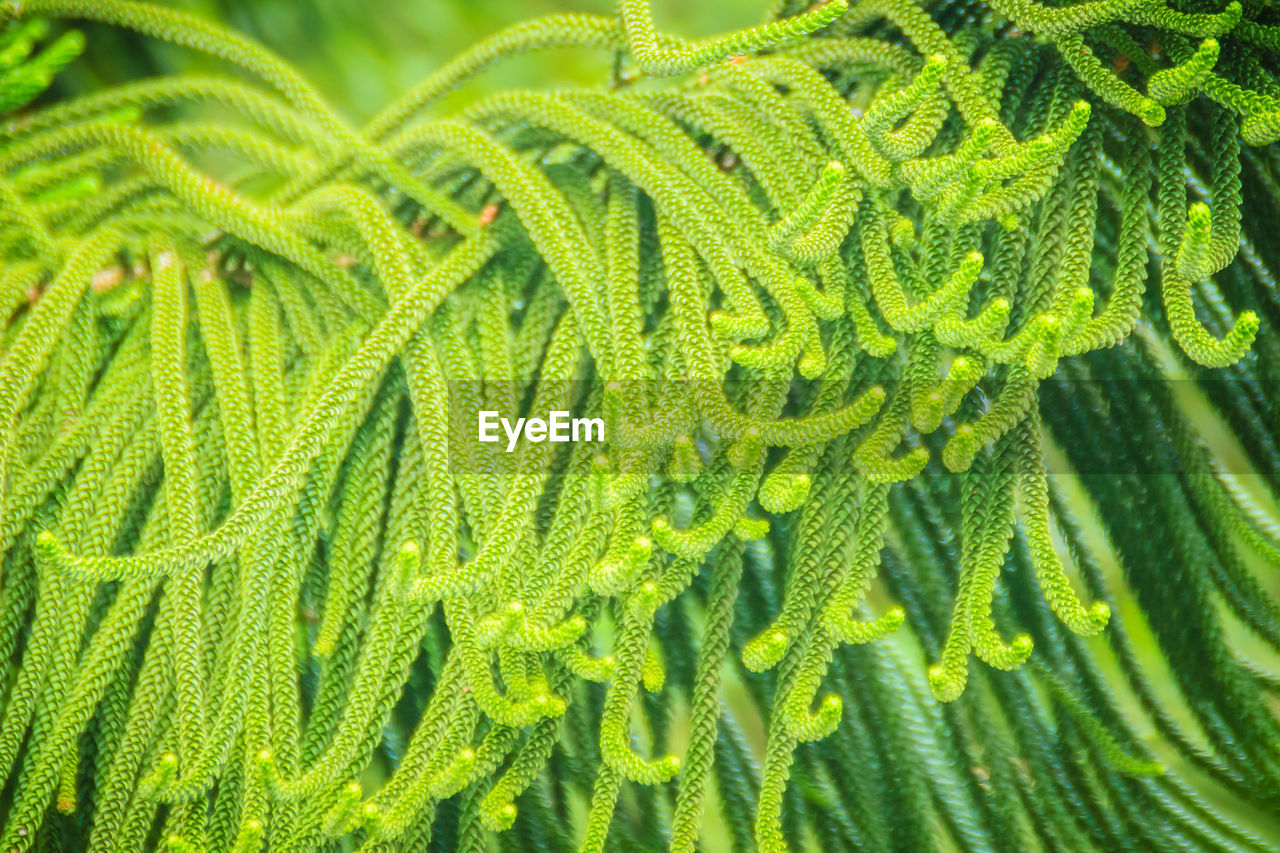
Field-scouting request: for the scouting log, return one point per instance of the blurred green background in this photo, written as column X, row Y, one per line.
column 363, row 53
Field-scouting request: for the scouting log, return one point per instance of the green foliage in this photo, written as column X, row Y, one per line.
column 832, row 282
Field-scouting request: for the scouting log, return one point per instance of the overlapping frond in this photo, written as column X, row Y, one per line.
column 831, row 283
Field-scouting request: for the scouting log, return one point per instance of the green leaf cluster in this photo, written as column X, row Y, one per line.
column 835, row 283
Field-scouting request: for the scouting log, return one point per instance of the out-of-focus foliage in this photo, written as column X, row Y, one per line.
column 364, row 54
